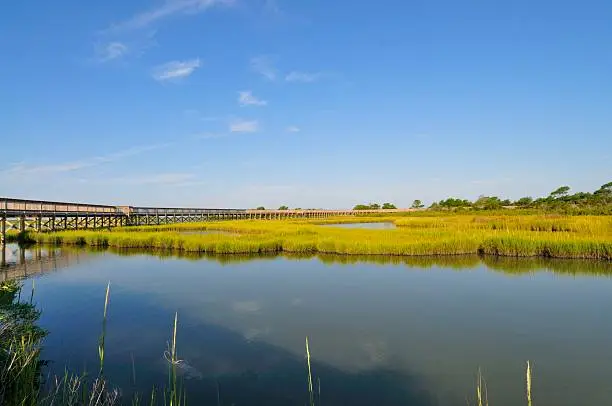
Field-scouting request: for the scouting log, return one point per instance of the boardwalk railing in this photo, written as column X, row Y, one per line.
column 38, row 215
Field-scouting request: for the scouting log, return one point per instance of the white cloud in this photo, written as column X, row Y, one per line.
column 110, row 51
column 292, row 129
column 264, row 66
column 246, row 98
column 167, row 9
column 305, row 77
column 39, row 170
column 175, row 70
column 244, row 126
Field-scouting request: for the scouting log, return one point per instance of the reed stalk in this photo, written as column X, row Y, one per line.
column 528, row 382
column 310, row 387
column 103, row 334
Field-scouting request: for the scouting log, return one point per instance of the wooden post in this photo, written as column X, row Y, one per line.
column 3, row 236
column 22, row 224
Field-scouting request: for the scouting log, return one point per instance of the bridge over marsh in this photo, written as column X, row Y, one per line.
column 38, row 215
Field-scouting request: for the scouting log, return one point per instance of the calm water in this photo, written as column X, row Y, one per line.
column 413, row 332
column 373, row 226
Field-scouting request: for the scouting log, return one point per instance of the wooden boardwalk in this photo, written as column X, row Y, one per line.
column 37, row 215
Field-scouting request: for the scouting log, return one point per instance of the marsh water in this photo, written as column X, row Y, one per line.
column 382, row 330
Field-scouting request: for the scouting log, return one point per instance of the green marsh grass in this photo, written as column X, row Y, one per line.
column 587, row 237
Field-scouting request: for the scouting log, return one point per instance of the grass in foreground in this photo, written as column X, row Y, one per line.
column 21, row 369
column 587, row 237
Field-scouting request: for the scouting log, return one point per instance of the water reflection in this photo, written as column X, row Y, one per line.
column 383, row 330
column 19, row 262
column 509, row 265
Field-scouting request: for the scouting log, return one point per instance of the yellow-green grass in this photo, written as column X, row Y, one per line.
column 518, row 236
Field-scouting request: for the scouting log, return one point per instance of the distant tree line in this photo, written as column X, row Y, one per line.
column 285, row 207
column 559, row 199
column 374, row 206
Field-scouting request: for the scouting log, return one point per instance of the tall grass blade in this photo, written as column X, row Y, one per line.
column 479, row 388
column 310, row 388
column 528, row 379
column 103, row 334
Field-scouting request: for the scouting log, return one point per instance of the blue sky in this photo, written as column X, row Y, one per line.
column 240, row 103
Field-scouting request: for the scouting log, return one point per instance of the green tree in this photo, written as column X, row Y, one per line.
column 452, row 202
column 388, row 206
column 488, row 202
column 417, row 204
column 605, row 190
column 284, row 208
column 260, row 208
column 560, row 192
column 524, row 201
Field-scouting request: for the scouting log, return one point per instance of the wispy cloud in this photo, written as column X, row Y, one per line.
column 22, row 169
column 175, row 70
column 304, row 77
column 292, row 129
column 244, row 126
column 264, row 65
column 167, row 9
column 111, row 51
column 170, row 178
column 112, row 47
column 246, row 98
